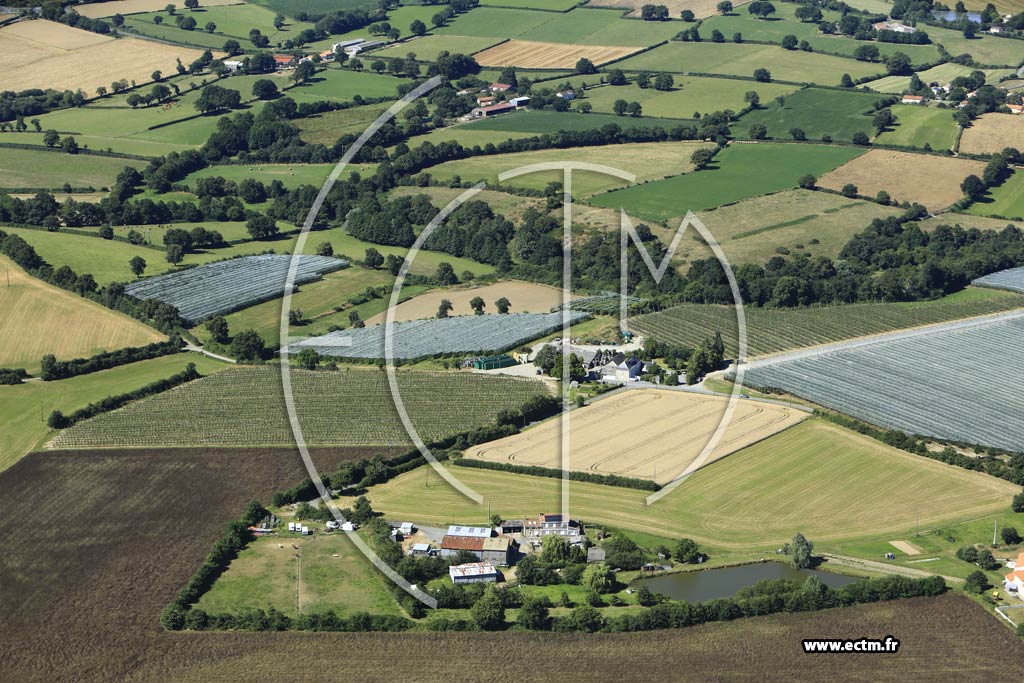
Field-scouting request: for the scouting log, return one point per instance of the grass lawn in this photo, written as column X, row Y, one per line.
column 691, row 94
column 1006, row 200
column 917, row 126
column 743, row 60
column 25, row 407
column 37, row 318
column 784, row 22
column 942, row 74
column 649, row 161
column 326, row 572
column 827, row 482
column 737, row 173
column 233, row 22
column 817, row 112
column 772, row 330
column 52, row 169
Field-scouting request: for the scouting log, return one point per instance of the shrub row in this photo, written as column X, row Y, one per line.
column 535, row 471
column 12, row 375
column 62, row 369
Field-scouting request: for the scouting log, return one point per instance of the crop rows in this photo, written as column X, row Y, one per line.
column 959, row 384
column 216, row 288
column 437, row 336
column 353, row 407
column 1011, row 280
column 770, row 330
column 605, row 303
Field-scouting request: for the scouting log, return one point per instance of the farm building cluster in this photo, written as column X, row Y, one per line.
column 495, row 99
column 350, row 48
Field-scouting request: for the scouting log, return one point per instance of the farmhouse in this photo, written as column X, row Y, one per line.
column 913, row 99
column 327, row 55
column 894, row 26
column 569, row 94
column 476, row 572
column 1016, row 108
column 621, row 369
column 553, row 525
column 1014, row 582
column 492, row 110
column 283, row 61
column 486, row 101
column 469, row 538
column 500, row 87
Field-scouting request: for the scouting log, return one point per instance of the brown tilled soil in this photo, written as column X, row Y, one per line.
column 95, row 543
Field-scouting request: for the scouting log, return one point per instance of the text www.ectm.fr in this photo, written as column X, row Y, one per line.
column 888, row 644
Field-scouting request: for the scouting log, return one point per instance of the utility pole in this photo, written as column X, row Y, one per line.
column 995, row 525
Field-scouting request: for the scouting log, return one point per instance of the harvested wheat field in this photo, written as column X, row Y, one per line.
column 528, row 54
column 525, row 297
column 642, row 433
column 929, row 180
column 45, row 54
column 993, row 132
column 701, row 8
column 37, row 318
column 108, row 9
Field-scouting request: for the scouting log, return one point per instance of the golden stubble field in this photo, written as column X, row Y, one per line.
column 530, row 54
column 37, row 318
column 525, row 297
column 701, row 8
column 929, row 180
column 642, row 433
column 45, row 54
column 992, row 133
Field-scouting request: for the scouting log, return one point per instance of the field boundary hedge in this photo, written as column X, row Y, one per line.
column 551, row 473
column 81, row 150
column 53, row 369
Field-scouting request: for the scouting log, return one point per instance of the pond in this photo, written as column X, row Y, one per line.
column 724, row 582
column 950, row 15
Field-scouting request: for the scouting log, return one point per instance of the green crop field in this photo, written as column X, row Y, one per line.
column 333, row 575
column 771, row 330
column 583, row 26
column 52, row 169
column 539, row 122
column 1006, row 200
column 941, row 74
column 817, row 478
column 25, row 407
column 737, row 173
column 427, row 47
column 553, row 5
column 496, row 22
column 917, row 126
column 784, row 22
column 648, row 161
column 348, row 407
column 233, row 21
column 691, row 94
column 794, row 221
column 743, row 60
column 989, row 50
column 815, row 111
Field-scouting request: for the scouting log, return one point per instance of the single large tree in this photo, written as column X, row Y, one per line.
column 138, row 265
column 801, row 551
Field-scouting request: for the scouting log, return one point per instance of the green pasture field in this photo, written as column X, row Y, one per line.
column 25, row 407
column 540, row 122
column 317, row 300
column 797, row 221
column 143, row 148
column 351, row 406
column 691, row 94
column 398, row 17
column 326, row 128
column 53, row 168
column 328, row 572
column 649, row 161
column 154, row 234
column 233, row 21
column 1006, row 200
column 839, row 113
column 509, row 205
column 584, row 26
column 551, row 5
column 468, row 135
column 291, row 8
column 290, row 175
column 784, row 22
column 826, row 482
column 427, row 47
column 737, row 173
column 875, row 6
column 743, row 60
column 941, row 74
column 343, row 85
column 497, row 22
column 917, row 126
column 990, row 50
column 772, row 330
column 967, row 221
